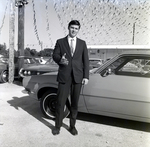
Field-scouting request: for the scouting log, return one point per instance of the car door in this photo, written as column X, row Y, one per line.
column 121, row 94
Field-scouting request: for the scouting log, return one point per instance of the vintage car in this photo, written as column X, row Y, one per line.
column 4, row 60
column 49, row 66
column 4, row 67
column 119, row 88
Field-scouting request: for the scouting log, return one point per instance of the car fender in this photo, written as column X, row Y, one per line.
column 43, row 88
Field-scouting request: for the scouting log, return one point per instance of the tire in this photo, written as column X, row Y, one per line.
column 4, row 76
column 48, row 105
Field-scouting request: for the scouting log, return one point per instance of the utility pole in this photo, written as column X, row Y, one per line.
column 21, row 4
column 133, row 33
column 11, row 41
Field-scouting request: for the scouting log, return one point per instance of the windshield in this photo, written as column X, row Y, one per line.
column 29, row 61
column 51, row 61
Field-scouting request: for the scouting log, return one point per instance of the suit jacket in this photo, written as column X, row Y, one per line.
column 78, row 63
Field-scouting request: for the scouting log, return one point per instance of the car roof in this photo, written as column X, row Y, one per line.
column 138, row 52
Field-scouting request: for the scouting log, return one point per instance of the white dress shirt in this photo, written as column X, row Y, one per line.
column 74, row 42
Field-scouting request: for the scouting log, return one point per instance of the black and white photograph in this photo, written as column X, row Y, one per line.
column 75, row 73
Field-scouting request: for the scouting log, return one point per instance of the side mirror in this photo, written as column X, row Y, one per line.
column 109, row 71
column 106, row 72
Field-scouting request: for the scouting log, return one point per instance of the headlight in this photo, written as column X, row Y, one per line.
column 21, row 72
column 29, row 72
column 25, row 72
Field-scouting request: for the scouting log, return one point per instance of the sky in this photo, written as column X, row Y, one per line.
column 103, row 22
column 30, row 39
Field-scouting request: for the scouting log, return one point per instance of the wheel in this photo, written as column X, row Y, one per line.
column 48, row 105
column 4, row 76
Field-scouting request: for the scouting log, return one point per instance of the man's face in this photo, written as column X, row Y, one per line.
column 73, row 30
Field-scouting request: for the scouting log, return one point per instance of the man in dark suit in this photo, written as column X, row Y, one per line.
column 71, row 54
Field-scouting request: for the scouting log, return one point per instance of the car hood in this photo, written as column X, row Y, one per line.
column 41, row 67
column 51, row 73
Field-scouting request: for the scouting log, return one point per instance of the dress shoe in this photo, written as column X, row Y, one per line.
column 55, row 131
column 73, row 131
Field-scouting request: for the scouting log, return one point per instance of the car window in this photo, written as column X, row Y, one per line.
column 29, row 61
column 113, row 66
column 32, row 61
column 130, row 66
column 94, row 61
column 25, row 61
column 51, row 61
column 116, row 64
column 136, row 67
column 141, row 66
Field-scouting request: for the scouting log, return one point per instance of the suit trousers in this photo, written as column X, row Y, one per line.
column 64, row 90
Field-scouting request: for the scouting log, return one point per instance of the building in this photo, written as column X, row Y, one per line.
column 108, row 51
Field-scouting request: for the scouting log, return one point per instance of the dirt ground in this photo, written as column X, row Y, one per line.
column 23, row 125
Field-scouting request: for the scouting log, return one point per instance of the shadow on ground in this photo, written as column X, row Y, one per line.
column 122, row 123
column 16, row 82
column 32, row 107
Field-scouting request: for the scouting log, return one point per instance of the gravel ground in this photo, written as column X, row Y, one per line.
column 23, row 125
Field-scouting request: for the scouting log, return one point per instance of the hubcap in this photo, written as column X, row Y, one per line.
column 5, row 76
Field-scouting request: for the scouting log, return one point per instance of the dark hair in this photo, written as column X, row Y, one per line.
column 74, row 22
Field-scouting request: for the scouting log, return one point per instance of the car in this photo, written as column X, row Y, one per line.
column 118, row 88
column 49, row 66
column 4, row 60
column 4, row 67
column 95, row 62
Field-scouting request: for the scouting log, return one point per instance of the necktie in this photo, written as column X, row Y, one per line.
column 71, row 46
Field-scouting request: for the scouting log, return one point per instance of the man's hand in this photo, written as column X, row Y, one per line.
column 85, row 81
column 63, row 60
